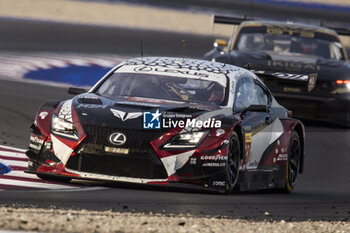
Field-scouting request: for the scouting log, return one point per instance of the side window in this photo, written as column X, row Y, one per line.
column 249, row 93
column 244, row 95
column 261, row 96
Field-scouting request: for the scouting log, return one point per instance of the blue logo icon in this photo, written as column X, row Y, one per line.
column 4, row 169
column 151, row 120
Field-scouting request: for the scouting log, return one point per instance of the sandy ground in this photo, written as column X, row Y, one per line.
column 332, row 2
column 119, row 14
column 53, row 220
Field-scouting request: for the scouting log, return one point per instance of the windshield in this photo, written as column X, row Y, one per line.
column 162, row 87
column 289, row 40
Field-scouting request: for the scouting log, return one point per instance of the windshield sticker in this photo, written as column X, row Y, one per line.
column 180, row 72
column 280, row 30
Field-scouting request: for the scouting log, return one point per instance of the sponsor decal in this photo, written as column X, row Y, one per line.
column 193, row 160
column 35, row 143
column 292, row 89
column 151, row 120
column 35, row 147
column 214, row 164
column 126, row 115
column 282, row 157
column 43, row 115
column 219, row 132
column 116, row 150
column 247, row 146
column 117, row 138
column 213, row 157
column 219, row 183
column 293, row 65
column 48, row 145
column 170, row 70
column 290, row 30
column 248, row 137
column 35, row 139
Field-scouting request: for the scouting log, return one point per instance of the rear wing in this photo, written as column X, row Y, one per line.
column 220, row 19
column 340, row 31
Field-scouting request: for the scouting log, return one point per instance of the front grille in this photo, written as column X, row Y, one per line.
column 136, row 140
column 141, row 162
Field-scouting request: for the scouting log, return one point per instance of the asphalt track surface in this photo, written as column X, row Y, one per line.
column 322, row 192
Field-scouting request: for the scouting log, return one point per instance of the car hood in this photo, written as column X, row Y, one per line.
column 128, row 113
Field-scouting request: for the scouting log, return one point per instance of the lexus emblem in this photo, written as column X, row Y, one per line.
column 117, row 139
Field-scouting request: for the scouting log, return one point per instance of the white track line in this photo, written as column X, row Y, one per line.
column 10, row 163
column 34, row 184
column 22, row 174
column 13, row 154
column 12, row 148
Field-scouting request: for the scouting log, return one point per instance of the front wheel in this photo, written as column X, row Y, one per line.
column 293, row 162
column 232, row 163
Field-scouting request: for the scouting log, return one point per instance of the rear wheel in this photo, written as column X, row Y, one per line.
column 54, row 178
column 232, row 164
column 293, row 163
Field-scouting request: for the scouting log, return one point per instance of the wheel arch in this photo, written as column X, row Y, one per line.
column 299, row 128
column 239, row 132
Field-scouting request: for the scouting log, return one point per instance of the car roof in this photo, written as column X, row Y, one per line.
column 289, row 25
column 191, row 67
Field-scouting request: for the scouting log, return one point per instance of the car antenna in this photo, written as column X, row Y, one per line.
column 141, row 50
column 183, row 49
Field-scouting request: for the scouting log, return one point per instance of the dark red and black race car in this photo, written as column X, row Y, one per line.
column 168, row 120
column 286, row 56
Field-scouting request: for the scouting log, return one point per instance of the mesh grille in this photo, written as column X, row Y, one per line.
column 141, row 162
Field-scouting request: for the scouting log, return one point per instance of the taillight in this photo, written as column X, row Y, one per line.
column 342, row 82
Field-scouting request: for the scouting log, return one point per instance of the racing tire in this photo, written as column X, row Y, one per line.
column 232, row 163
column 54, row 178
column 293, row 162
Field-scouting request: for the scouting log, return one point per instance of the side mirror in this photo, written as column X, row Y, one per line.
column 76, row 91
column 255, row 108
column 220, row 43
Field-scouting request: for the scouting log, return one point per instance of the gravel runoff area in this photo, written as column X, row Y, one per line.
column 56, row 220
column 124, row 15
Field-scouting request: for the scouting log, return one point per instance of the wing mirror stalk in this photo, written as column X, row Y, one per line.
column 220, row 44
column 255, row 108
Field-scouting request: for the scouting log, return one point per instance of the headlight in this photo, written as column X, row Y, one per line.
column 63, row 127
column 186, row 140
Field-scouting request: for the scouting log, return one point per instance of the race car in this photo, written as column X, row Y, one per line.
column 163, row 120
column 305, row 67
